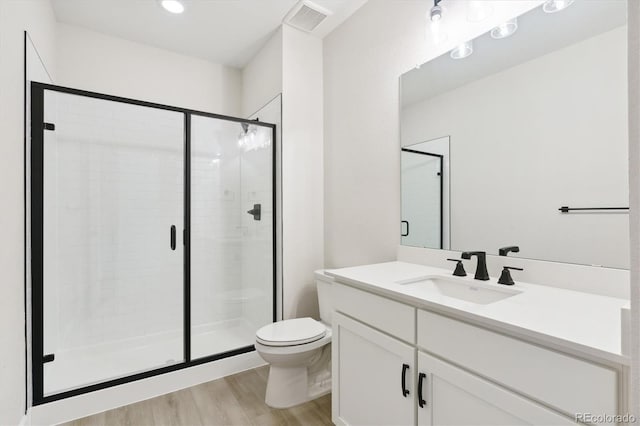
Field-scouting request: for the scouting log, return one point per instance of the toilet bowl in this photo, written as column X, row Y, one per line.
column 299, row 354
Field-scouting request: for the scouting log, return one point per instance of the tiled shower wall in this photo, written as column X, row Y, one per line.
column 215, row 220
column 257, row 244
column 232, row 267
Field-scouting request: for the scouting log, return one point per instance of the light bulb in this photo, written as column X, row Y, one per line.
column 462, row 50
column 553, row 6
column 505, row 29
column 173, row 6
column 436, row 13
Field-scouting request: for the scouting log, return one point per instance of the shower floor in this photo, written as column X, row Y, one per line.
column 85, row 366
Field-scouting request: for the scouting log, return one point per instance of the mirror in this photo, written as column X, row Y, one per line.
column 507, row 146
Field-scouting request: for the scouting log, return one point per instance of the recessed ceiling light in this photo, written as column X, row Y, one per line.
column 173, row 6
column 462, row 50
column 505, row 29
column 553, row 6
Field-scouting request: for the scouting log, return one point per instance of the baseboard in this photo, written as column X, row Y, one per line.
column 26, row 419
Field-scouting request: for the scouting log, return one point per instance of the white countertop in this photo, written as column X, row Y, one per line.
column 580, row 323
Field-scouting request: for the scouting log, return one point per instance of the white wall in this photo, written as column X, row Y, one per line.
column 363, row 59
column 97, row 62
column 291, row 63
column 262, row 76
column 36, row 71
column 16, row 16
column 302, row 159
column 527, row 156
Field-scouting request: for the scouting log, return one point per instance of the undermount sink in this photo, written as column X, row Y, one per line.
column 465, row 289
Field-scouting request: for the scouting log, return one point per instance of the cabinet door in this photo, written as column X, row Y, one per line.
column 373, row 376
column 448, row 395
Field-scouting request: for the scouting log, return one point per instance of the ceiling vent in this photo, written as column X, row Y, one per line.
column 306, row 16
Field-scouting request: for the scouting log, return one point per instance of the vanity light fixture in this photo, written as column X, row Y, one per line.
column 436, row 11
column 434, row 24
column 462, row 50
column 505, row 29
column 173, row 6
column 553, row 6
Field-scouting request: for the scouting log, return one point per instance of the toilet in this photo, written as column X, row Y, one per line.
column 299, row 353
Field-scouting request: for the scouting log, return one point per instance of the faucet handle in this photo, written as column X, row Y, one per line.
column 459, row 271
column 505, row 277
column 503, row 251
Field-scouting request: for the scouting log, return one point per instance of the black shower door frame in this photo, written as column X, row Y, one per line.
column 38, row 128
column 441, row 157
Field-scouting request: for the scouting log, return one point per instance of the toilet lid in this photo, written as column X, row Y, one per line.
column 291, row 332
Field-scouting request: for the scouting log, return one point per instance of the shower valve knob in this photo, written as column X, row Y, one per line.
column 255, row 211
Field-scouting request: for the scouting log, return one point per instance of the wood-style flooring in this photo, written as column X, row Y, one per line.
column 233, row 400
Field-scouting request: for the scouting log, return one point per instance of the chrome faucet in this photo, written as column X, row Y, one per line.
column 481, row 269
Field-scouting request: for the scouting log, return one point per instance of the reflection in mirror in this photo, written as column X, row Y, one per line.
column 425, row 194
column 535, row 121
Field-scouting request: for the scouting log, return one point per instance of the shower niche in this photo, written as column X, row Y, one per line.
column 152, row 238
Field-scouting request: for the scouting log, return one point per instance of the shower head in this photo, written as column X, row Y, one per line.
column 245, row 127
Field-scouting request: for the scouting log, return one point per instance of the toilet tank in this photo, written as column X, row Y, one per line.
column 324, row 284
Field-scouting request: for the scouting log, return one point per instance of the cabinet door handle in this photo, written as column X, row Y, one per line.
column 405, row 391
column 421, row 401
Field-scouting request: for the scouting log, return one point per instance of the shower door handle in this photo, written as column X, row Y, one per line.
column 173, row 237
column 401, row 233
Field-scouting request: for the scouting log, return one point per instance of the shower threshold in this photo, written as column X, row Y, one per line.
column 89, row 365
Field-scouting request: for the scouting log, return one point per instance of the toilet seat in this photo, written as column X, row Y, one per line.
column 294, row 349
column 292, row 332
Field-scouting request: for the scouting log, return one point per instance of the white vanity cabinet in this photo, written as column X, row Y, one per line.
column 396, row 364
column 451, row 396
column 370, row 368
column 569, row 384
column 373, row 359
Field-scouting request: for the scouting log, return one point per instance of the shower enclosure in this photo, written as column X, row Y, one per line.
column 422, row 199
column 152, row 235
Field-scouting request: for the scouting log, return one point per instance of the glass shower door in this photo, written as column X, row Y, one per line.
column 112, row 221
column 232, row 233
column 422, row 199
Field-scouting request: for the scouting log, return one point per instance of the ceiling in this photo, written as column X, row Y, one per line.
column 228, row 32
column 538, row 33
